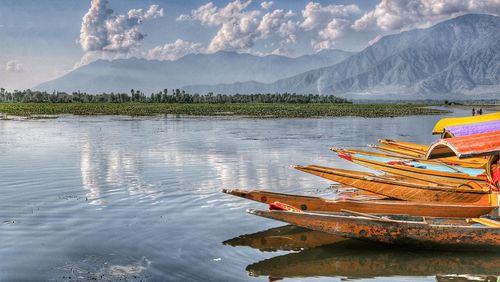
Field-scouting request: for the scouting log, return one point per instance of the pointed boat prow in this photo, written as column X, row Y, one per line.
column 236, row 192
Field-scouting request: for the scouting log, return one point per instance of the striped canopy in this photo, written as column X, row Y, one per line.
column 447, row 122
column 469, row 129
column 483, row 144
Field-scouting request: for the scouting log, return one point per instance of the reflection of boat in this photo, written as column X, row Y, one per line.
column 420, row 169
column 371, row 206
column 354, row 259
column 284, row 238
column 411, row 190
column 425, row 232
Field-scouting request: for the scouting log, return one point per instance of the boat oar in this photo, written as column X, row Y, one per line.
column 487, row 222
column 368, row 215
column 449, row 166
column 382, row 218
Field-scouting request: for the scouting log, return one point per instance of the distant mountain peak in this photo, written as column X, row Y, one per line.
column 458, row 58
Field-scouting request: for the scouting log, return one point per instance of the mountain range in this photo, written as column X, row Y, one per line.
column 152, row 75
column 457, row 58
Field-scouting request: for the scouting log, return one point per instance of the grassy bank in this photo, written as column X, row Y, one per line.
column 248, row 109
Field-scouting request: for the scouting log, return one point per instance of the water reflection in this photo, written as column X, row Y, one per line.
column 324, row 255
column 284, row 238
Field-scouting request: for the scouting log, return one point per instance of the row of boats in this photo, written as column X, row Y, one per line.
column 442, row 195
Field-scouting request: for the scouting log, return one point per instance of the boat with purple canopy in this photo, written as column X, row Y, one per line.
column 470, row 129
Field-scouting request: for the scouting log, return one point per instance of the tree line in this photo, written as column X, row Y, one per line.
column 165, row 96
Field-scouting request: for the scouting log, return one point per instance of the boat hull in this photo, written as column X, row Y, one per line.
column 307, row 203
column 418, row 234
column 399, row 189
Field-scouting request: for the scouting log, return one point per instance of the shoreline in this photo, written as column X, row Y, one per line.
column 253, row 110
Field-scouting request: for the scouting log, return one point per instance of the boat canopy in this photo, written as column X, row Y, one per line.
column 470, row 129
column 483, row 144
column 440, row 126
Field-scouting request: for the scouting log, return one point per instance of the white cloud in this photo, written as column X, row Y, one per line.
column 331, row 20
column 278, row 22
column 101, row 30
column 173, row 51
column 405, row 14
column 14, row 66
column 237, row 27
column 266, row 5
column 315, row 15
column 327, row 36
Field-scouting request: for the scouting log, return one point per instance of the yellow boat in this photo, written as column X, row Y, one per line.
column 440, row 126
column 415, row 150
column 410, row 190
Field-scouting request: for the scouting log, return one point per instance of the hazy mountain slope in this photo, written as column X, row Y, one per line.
column 221, row 67
column 458, row 56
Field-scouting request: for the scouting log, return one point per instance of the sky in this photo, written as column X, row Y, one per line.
column 41, row 40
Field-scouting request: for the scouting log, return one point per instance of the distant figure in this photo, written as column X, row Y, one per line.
column 480, row 112
column 473, row 112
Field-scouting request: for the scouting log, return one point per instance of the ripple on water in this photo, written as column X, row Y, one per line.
column 113, row 198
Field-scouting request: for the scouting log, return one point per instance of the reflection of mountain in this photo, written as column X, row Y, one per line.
column 284, row 238
column 355, row 259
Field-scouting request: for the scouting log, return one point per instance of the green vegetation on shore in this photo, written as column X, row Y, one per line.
column 225, row 109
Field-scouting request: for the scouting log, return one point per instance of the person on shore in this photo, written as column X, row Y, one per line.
column 480, row 112
column 473, row 112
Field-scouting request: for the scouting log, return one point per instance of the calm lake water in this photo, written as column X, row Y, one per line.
column 120, row 198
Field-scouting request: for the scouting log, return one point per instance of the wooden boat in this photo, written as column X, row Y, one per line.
column 352, row 259
column 483, row 144
column 440, row 126
column 471, row 129
column 411, row 190
column 398, row 230
column 420, row 169
column 284, row 238
column 403, row 149
column 308, row 203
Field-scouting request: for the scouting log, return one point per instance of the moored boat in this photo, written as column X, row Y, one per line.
column 456, row 233
column 441, row 125
column 408, row 149
column 411, row 190
column 421, row 169
column 471, row 129
column 308, row 203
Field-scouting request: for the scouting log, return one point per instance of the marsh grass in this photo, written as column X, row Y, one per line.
column 263, row 110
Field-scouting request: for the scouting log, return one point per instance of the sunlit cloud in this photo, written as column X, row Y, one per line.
column 397, row 15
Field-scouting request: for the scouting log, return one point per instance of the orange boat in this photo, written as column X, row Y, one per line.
column 308, row 203
column 457, row 233
column 411, row 190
